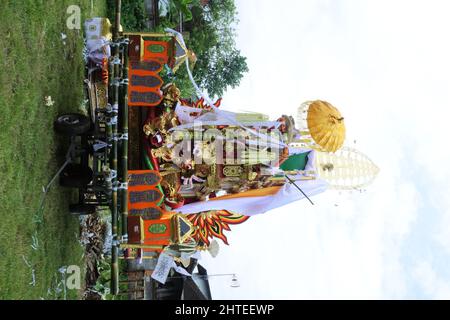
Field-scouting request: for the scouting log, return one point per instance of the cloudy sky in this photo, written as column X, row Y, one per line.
column 385, row 65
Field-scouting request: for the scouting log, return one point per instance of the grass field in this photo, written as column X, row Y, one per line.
column 36, row 63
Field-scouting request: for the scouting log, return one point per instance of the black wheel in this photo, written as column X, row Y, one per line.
column 80, row 209
column 75, row 176
column 72, row 124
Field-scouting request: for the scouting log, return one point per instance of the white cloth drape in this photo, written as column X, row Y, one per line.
column 256, row 205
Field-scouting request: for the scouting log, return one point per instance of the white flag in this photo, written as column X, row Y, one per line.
column 162, row 269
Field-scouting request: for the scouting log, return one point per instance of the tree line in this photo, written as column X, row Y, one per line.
column 211, row 26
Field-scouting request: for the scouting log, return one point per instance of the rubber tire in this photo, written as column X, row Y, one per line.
column 75, row 176
column 72, row 124
column 80, row 209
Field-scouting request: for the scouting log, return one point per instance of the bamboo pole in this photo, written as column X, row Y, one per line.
column 124, row 149
column 113, row 159
column 139, row 246
column 298, row 188
column 148, row 34
column 135, row 258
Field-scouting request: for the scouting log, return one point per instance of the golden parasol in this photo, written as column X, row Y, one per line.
column 326, row 125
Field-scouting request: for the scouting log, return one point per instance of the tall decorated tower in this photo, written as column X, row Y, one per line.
column 345, row 169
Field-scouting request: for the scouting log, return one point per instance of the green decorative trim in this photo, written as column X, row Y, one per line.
column 157, row 228
column 156, row 48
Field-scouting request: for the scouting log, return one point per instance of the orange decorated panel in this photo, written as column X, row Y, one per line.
column 145, row 66
column 143, row 178
column 144, row 88
column 143, row 194
column 158, row 232
column 144, row 98
column 144, row 84
column 156, row 50
column 142, row 190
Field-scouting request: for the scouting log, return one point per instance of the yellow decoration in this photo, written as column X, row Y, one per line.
column 326, row 125
column 181, row 234
column 346, row 169
column 97, row 28
column 181, row 54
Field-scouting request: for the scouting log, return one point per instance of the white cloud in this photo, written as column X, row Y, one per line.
column 432, row 285
column 441, row 232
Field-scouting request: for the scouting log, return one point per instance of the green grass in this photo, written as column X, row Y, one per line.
column 35, row 63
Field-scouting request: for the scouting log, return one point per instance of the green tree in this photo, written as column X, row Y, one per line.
column 219, row 69
column 134, row 16
column 212, row 37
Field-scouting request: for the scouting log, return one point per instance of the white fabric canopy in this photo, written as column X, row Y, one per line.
column 213, row 119
column 222, row 117
column 255, row 205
